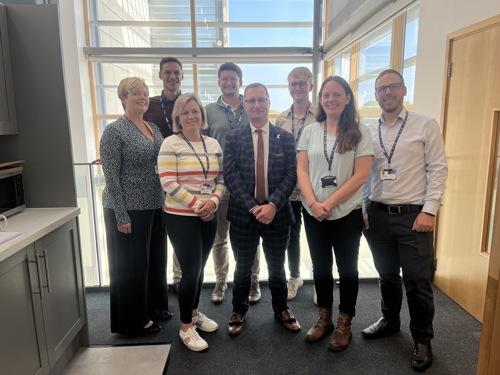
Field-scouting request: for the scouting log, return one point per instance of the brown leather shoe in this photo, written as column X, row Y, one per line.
column 323, row 326
column 288, row 320
column 236, row 324
column 342, row 335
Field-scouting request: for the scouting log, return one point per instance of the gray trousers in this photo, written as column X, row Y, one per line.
column 220, row 248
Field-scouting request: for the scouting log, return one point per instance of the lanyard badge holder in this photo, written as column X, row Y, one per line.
column 388, row 173
column 329, row 180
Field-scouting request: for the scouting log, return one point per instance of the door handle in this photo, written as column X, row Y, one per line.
column 47, row 273
column 35, row 261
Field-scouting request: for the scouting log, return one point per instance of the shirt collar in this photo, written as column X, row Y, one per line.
column 311, row 110
column 265, row 128
column 225, row 105
column 401, row 115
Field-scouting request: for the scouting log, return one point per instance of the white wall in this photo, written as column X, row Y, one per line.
column 438, row 18
column 76, row 80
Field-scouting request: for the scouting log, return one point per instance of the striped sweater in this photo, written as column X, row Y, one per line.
column 181, row 175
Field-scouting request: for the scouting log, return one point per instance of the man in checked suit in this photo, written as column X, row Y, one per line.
column 260, row 173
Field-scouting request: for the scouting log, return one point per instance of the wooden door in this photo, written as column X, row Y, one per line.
column 472, row 95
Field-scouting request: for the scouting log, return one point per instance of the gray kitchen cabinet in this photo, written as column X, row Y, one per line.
column 62, row 288
column 41, row 298
column 21, row 341
column 8, row 123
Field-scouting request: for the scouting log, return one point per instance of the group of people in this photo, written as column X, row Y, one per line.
column 224, row 169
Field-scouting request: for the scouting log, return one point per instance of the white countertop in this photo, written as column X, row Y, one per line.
column 34, row 223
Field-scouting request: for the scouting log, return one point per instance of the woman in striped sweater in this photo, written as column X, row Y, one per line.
column 190, row 168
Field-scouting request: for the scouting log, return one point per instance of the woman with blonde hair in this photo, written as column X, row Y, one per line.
column 190, row 167
column 133, row 218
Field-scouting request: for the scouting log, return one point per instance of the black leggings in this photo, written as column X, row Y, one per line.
column 343, row 235
column 192, row 240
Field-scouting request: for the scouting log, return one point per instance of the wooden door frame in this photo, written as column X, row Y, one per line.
column 491, row 316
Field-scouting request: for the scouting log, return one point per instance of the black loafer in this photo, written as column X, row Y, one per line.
column 380, row 328
column 164, row 315
column 152, row 329
column 421, row 359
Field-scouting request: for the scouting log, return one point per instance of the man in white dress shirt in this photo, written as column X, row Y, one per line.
column 403, row 196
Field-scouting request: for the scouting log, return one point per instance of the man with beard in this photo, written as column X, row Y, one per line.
column 403, row 196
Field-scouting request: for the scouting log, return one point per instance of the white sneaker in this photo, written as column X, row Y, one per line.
column 315, row 297
column 203, row 323
column 293, row 285
column 192, row 340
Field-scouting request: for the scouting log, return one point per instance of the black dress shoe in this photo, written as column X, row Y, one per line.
column 421, row 359
column 153, row 328
column 380, row 328
column 164, row 315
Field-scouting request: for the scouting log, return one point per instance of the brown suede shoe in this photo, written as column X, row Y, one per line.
column 323, row 326
column 342, row 335
column 236, row 324
column 288, row 320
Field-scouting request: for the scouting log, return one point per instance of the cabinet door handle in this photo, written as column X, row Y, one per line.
column 39, row 291
column 47, row 272
column 47, row 275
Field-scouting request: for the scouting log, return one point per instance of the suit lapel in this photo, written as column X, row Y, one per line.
column 249, row 163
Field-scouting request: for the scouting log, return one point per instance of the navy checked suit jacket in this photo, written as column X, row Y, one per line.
column 239, row 174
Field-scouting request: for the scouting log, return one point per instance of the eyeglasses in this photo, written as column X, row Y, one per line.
column 259, row 100
column 391, row 87
column 300, row 84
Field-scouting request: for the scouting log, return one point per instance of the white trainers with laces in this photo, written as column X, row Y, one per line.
column 192, row 340
column 293, row 285
column 203, row 323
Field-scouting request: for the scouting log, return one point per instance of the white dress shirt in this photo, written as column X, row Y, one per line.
column 419, row 162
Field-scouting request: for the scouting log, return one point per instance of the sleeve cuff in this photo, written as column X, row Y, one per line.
column 431, row 207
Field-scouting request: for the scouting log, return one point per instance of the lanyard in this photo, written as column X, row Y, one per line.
column 163, row 106
column 205, row 170
column 329, row 160
column 301, row 121
column 233, row 123
column 389, row 156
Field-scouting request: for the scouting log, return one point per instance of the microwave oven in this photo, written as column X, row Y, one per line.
column 11, row 190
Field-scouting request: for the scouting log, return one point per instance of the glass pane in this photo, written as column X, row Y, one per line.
column 375, row 51
column 142, row 10
column 366, row 93
column 108, row 76
column 342, row 65
column 410, row 52
column 219, row 35
column 134, row 36
column 86, row 225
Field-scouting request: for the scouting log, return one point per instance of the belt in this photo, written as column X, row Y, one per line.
column 398, row 209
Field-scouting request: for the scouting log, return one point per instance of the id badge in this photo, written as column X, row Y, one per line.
column 328, row 181
column 207, row 187
column 387, row 174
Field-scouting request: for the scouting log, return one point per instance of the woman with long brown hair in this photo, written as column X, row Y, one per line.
column 334, row 160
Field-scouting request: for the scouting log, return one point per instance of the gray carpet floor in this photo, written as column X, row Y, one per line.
column 265, row 347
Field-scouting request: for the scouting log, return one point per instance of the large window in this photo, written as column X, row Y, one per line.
column 203, row 34
column 391, row 45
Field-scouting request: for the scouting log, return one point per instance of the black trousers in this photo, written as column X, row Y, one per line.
column 293, row 248
column 137, row 270
column 396, row 246
column 343, row 235
column 244, row 241
column 192, row 240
